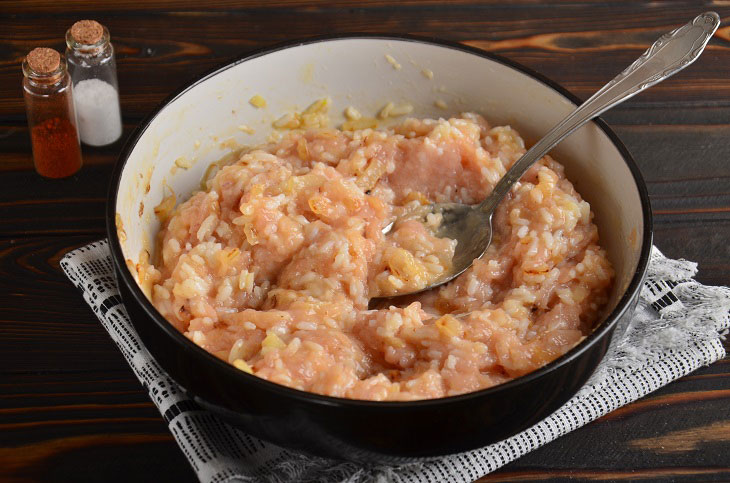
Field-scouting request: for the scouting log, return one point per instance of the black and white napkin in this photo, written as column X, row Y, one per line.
column 677, row 328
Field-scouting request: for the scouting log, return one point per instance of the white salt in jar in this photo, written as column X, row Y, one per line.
column 91, row 64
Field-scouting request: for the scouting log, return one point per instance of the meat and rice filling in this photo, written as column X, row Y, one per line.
column 272, row 266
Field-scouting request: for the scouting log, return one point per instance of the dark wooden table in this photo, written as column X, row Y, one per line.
column 70, row 408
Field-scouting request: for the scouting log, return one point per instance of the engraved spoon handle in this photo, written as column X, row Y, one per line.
column 671, row 53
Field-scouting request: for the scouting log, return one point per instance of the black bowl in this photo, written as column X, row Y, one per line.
column 370, row 431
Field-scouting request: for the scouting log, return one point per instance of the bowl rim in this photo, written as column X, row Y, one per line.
column 598, row 333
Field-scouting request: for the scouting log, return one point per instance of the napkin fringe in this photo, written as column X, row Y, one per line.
column 670, row 269
column 676, row 329
column 689, row 313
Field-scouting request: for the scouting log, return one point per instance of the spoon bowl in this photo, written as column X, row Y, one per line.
column 471, row 225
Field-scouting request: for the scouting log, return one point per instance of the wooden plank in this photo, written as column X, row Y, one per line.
column 103, row 418
column 70, row 408
column 45, row 324
column 67, row 206
column 125, row 6
column 671, row 473
column 668, row 435
column 167, row 49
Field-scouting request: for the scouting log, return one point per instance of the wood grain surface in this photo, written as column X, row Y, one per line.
column 71, row 410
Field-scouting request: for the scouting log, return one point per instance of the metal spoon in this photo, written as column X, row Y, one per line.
column 471, row 225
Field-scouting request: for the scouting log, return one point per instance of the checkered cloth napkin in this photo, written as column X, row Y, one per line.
column 677, row 328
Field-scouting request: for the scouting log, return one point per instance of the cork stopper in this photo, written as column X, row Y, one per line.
column 87, row 32
column 43, row 60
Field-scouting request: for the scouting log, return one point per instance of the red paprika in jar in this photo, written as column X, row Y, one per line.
column 51, row 116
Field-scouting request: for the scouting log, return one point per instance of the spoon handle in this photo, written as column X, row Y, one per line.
column 671, row 53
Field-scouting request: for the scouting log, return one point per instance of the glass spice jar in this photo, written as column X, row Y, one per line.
column 51, row 116
column 91, row 63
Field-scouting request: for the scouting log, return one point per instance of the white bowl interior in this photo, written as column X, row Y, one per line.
column 202, row 125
